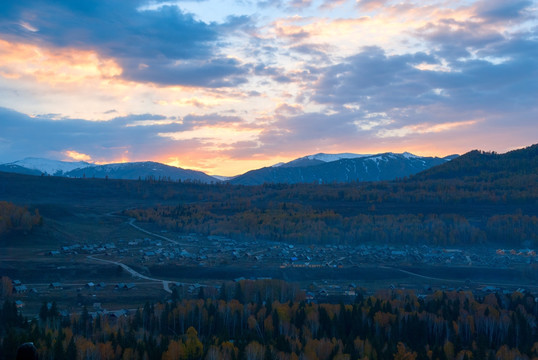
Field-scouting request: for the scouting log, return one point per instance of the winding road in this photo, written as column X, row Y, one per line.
column 166, row 283
column 131, row 222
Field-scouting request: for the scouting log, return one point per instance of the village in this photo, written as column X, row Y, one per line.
column 149, row 265
column 198, row 250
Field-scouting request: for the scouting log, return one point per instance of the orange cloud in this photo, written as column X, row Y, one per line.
column 386, row 28
column 54, row 66
column 424, row 128
column 216, row 138
column 75, row 155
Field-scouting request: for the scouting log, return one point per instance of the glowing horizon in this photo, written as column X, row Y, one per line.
column 229, row 86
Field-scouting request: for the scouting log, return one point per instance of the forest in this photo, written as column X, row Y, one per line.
column 294, row 223
column 15, row 218
column 475, row 199
column 478, row 198
column 271, row 320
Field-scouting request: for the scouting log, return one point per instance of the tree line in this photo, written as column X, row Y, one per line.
column 15, row 218
column 296, row 223
column 392, row 324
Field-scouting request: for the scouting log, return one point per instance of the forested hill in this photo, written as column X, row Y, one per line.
column 486, row 165
column 490, row 199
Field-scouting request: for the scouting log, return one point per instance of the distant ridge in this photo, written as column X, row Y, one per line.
column 320, row 158
column 128, row 171
column 45, row 166
column 317, row 168
column 326, row 168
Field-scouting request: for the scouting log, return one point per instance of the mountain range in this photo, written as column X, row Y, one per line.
column 128, row 171
column 318, row 168
column 341, row 168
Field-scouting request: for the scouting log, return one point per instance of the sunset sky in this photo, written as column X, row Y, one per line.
column 225, row 86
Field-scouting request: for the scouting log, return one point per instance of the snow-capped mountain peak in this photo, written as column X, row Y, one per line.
column 50, row 167
column 332, row 157
column 408, row 155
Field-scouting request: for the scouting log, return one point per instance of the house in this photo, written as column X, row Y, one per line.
column 116, row 314
column 20, row 289
column 16, row 282
column 490, row 289
column 19, row 304
column 90, row 285
column 55, row 285
column 124, row 286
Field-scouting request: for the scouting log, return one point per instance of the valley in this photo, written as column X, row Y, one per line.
column 77, row 247
column 158, row 257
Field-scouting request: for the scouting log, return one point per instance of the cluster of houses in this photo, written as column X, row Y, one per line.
column 217, row 250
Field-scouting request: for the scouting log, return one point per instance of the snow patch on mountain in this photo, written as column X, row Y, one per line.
column 408, row 155
column 333, row 157
column 50, row 167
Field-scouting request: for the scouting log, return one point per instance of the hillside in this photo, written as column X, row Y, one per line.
column 141, row 170
column 387, row 166
column 129, row 171
column 486, row 165
column 463, row 209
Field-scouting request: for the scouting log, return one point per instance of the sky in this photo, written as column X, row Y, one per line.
column 226, row 86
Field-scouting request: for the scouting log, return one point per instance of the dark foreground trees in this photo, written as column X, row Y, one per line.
column 393, row 324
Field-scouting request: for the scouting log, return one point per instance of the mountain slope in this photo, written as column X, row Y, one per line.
column 132, row 171
column 46, row 166
column 486, row 165
column 385, row 166
column 141, row 170
column 320, row 158
column 16, row 169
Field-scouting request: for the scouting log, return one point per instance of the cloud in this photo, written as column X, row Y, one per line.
column 331, row 4
column 164, row 45
column 288, row 4
column 500, row 10
column 424, row 128
column 135, row 137
column 100, row 140
column 75, row 155
column 318, row 52
column 374, row 80
column 379, row 82
column 213, row 73
column 368, row 5
column 300, row 4
column 277, row 74
column 194, row 121
column 383, row 75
